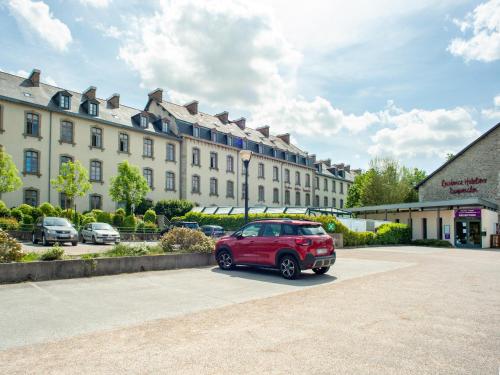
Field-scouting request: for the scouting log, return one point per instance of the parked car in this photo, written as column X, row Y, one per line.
column 212, row 230
column 180, row 224
column 54, row 229
column 99, row 233
column 288, row 245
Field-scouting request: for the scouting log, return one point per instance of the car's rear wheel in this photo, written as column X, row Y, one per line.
column 33, row 238
column 225, row 260
column 44, row 240
column 74, row 243
column 289, row 267
column 82, row 238
column 321, row 270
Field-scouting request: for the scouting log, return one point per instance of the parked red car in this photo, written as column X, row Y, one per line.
column 285, row 244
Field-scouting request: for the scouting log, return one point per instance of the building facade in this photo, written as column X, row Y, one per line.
column 182, row 153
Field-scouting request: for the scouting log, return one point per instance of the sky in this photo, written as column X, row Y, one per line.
column 350, row 81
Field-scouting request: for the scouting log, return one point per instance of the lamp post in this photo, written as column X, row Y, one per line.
column 245, row 156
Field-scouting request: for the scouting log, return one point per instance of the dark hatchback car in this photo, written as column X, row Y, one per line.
column 54, row 229
column 181, row 224
column 212, row 230
column 288, row 245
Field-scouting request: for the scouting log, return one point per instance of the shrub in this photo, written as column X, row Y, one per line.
column 147, row 227
column 432, row 243
column 10, row 249
column 4, row 211
column 120, row 211
column 187, row 240
column 352, row 238
column 47, row 209
column 173, row 207
column 9, row 223
column 26, row 209
column 36, row 213
column 16, row 214
column 142, row 207
column 56, row 252
column 129, row 223
column 28, row 219
column 393, row 234
column 87, row 218
column 118, row 218
column 102, row 216
column 150, row 216
column 30, row 257
column 122, row 250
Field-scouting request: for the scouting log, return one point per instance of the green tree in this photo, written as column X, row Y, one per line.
column 129, row 186
column 9, row 175
column 449, row 156
column 73, row 181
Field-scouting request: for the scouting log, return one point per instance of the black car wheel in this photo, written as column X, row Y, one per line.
column 321, row 270
column 289, row 267
column 225, row 260
column 44, row 240
column 82, row 238
column 94, row 240
column 33, row 238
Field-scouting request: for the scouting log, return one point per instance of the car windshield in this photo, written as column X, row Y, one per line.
column 311, row 230
column 56, row 222
column 102, row 226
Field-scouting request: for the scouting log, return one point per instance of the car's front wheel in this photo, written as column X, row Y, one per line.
column 321, row 270
column 225, row 260
column 289, row 267
column 33, row 238
column 82, row 238
column 44, row 240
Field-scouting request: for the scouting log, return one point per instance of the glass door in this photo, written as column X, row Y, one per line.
column 467, row 233
column 461, row 233
column 474, row 234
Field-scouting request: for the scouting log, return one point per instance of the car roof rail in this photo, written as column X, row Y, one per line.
column 274, row 218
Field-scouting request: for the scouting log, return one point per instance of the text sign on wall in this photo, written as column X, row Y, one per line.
column 468, row 212
column 463, row 186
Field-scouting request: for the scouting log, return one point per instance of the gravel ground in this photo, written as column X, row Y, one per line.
column 440, row 315
column 81, row 248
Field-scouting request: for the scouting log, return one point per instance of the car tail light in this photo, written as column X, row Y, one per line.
column 303, row 241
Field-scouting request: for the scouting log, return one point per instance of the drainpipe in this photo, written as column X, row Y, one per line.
column 50, row 153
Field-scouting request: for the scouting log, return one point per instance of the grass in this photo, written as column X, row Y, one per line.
column 30, row 257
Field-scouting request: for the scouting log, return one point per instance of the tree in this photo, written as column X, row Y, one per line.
column 129, row 186
column 73, row 181
column 9, row 175
column 173, row 207
column 449, row 156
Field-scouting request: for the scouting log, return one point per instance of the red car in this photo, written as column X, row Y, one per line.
column 285, row 244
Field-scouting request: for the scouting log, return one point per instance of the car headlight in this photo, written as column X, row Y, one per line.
column 50, row 231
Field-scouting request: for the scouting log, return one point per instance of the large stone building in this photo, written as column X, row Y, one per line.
column 459, row 202
column 182, row 152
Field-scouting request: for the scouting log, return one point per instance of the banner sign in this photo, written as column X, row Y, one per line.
column 468, row 212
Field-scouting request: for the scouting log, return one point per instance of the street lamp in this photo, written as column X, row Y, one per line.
column 245, row 156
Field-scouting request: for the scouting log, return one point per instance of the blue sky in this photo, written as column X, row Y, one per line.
column 349, row 80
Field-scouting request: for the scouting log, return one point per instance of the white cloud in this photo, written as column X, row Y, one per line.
column 96, row 3
column 484, row 44
column 36, row 16
column 493, row 113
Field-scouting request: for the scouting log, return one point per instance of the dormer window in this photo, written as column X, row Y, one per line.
column 143, row 121
column 196, row 132
column 64, row 101
column 245, row 144
column 164, row 126
column 214, row 136
column 274, row 152
column 229, row 140
column 260, row 148
column 92, row 109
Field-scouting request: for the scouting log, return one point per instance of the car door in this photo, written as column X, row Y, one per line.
column 269, row 244
column 86, row 232
column 38, row 228
column 246, row 244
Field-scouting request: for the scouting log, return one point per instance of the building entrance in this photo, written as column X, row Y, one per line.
column 467, row 233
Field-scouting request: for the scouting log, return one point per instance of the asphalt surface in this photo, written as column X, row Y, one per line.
column 380, row 310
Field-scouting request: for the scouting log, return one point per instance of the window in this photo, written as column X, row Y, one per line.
column 297, row 178
column 148, row 175
column 334, row 202
column 230, row 189
column 287, row 176
column 95, row 202
column 276, row 195
column 170, row 152
column 341, row 188
column 261, row 193
column 325, row 202
column 31, row 162
column 308, row 180
column 316, row 201
column 251, row 230
column 316, row 183
column 144, row 122
column 214, row 136
column 244, row 143
column 64, row 201
column 96, row 137
column 287, row 197
column 66, row 132
column 341, row 203
column 297, row 198
column 164, row 126
column 213, row 186
column 195, row 184
column 123, row 143
column 170, row 182
column 289, row 230
column 325, row 184
column 260, row 148
column 147, row 148
column 196, row 132
column 95, row 171
column 334, row 186
column 31, row 197
column 271, row 230
column 64, row 102
column 440, row 229
column 424, row 228
column 196, row 156
column 213, row 160
column 230, row 164
column 243, row 190
column 32, row 124
column 92, row 109
column 64, row 159
column 260, row 170
column 230, row 141
column 308, row 199
column 274, row 152
column 275, row 174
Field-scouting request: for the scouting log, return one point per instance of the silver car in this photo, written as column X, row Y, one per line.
column 99, row 233
column 54, row 229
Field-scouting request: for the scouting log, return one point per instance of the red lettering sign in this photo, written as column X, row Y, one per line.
column 468, row 182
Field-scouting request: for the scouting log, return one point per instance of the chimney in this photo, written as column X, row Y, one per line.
column 113, row 101
column 347, row 167
column 192, row 107
column 284, row 137
column 240, row 122
column 328, row 162
column 223, row 117
column 34, row 77
column 264, row 130
column 156, row 95
column 90, row 92
column 313, row 157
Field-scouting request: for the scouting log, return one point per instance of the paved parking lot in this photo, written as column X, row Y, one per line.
column 81, row 248
column 380, row 310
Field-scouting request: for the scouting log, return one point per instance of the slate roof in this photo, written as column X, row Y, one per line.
column 428, row 204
